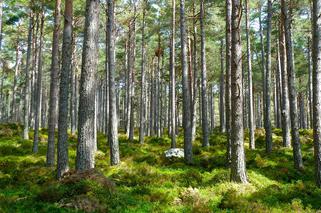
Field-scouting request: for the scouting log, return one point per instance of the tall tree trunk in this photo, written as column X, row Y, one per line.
column 310, row 84
column 267, row 80
column 172, row 78
column 86, row 136
column 222, row 92
column 292, row 90
column 316, row 55
column 250, row 86
column 62, row 157
column 238, row 170
column 38, row 88
column 212, row 106
column 14, row 87
column 1, row 83
column 187, row 125
column 228, row 39
column 131, row 64
column 205, row 142
column 262, row 104
column 142, row 85
column 278, row 87
column 27, row 80
column 302, row 111
column 52, row 120
column 195, row 80
column 286, row 122
column 113, row 123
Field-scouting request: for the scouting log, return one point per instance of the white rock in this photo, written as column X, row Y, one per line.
column 174, row 153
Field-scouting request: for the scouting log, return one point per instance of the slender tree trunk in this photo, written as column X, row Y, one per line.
column 205, row 142
column 14, row 88
column 131, row 64
column 250, row 86
column 302, row 111
column 38, row 88
column 52, row 120
column 1, row 83
column 188, row 154
column 27, row 80
column 172, row 78
column 238, row 170
column 86, row 136
column 278, row 88
column 194, row 90
column 228, row 39
column 62, row 157
column 113, row 123
column 286, row 122
column 212, row 107
column 142, row 85
column 292, row 90
column 316, row 55
column 259, row 111
column 222, row 92
column 267, row 80
column 310, row 83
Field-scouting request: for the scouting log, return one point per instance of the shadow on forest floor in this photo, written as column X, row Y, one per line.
column 147, row 182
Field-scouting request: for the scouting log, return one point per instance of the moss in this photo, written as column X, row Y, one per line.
column 146, row 182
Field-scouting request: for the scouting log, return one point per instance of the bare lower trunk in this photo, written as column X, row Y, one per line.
column 172, row 78
column 238, row 170
column 188, row 154
column 250, row 86
column 142, row 85
column 38, row 89
column 292, row 90
column 62, row 153
column 86, row 135
column 267, row 80
column 222, row 92
column 113, row 123
column 52, row 120
column 228, row 78
column 286, row 122
column 27, row 81
column 316, row 55
column 205, row 142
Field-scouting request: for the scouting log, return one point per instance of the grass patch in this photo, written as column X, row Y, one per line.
column 146, row 182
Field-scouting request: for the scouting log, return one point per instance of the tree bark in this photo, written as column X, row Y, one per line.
column 27, row 80
column 238, row 170
column 310, row 84
column 187, row 121
column 205, row 141
column 131, row 64
column 142, row 85
column 113, row 122
column 222, row 92
column 38, row 88
column 316, row 55
column 250, row 86
column 267, row 84
column 14, row 87
column 52, row 119
column 228, row 39
column 172, row 77
column 62, row 157
column 86, row 136
column 286, row 122
column 292, row 90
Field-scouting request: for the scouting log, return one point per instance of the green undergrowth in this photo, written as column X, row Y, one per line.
column 147, row 182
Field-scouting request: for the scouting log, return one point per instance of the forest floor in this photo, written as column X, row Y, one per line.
column 147, row 182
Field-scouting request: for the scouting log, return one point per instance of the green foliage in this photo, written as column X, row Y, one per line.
column 146, row 182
